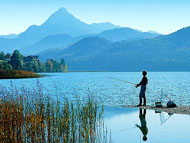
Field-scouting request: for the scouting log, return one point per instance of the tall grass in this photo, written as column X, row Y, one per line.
column 31, row 116
column 11, row 74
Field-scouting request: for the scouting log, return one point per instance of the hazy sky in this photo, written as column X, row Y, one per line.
column 163, row 16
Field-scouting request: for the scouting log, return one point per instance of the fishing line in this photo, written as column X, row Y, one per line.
column 161, row 96
column 122, row 80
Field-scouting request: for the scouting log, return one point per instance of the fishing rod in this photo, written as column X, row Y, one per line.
column 166, row 96
column 122, row 81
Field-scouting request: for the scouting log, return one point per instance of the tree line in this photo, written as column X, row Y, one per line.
column 16, row 61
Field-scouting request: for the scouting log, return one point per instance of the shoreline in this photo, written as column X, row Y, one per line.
column 18, row 74
column 177, row 110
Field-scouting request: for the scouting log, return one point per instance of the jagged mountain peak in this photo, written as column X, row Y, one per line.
column 60, row 22
column 62, row 12
column 61, row 16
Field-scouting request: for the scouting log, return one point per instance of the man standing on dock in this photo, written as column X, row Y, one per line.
column 143, row 84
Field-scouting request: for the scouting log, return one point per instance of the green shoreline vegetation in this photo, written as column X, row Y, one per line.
column 15, row 74
column 19, row 66
column 31, row 116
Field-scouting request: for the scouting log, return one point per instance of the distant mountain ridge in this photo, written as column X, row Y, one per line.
column 164, row 53
column 52, row 41
column 59, row 40
column 60, row 22
column 10, row 36
column 120, row 34
column 102, row 46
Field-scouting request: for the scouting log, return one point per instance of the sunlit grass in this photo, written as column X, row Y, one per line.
column 31, row 116
column 11, row 74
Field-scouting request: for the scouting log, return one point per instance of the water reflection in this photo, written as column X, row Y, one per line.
column 133, row 125
column 143, row 126
column 163, row 119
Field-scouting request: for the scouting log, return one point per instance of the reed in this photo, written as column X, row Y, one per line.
column 31, row 116
column 13, row 74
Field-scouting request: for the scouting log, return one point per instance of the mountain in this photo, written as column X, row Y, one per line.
column 7, row 45
column 85, row 49
column 88, row 47
column 60, row 22
column 9, row 36
column 59, row 40
column 52, row 41
column 154, row 32
column 104, row 26
column 53, row 53
column 62, row 29
column 119, row 34
column 164, row 53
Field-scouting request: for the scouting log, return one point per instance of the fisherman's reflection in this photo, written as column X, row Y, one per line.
column 143, row 127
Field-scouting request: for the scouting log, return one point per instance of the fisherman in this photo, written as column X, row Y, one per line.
column 143, row 127
column 143, row 84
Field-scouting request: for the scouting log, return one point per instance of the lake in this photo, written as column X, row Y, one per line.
column 107, row 88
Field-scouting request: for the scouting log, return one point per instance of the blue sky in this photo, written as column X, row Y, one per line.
column 163, row 16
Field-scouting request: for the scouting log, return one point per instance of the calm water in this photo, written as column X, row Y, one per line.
column 158, row 127
column 110, row 91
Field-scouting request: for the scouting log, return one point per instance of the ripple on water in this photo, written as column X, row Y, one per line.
column 110, row 91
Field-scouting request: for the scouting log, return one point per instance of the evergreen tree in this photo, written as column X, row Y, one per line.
column 2, row 56
column 16, row 60
column 63, row 66
column 63, row 62
column 5, row 65
column 49, row 66
column 8, row 56
column 42, row 67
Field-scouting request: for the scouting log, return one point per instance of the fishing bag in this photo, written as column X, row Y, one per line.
column 171, row 104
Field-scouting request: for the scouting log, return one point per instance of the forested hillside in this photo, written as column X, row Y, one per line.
column 163, row 53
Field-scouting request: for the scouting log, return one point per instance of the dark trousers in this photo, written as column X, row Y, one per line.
column 142, row 95
column 140, row 99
